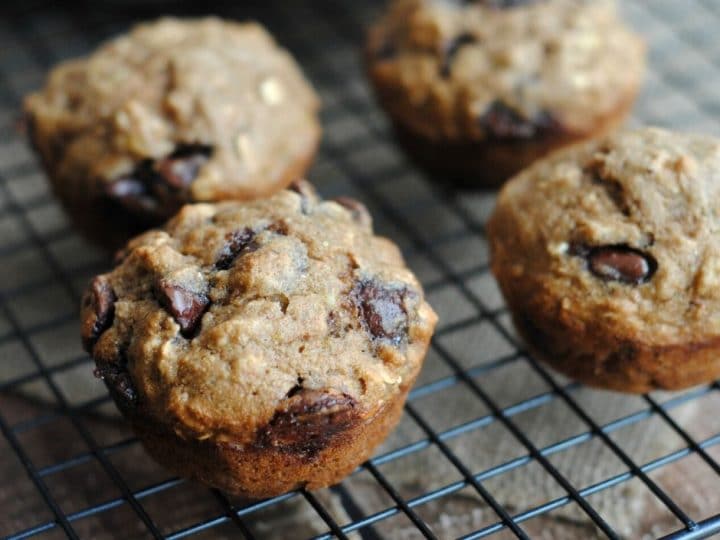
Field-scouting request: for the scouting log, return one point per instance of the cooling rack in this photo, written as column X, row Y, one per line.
column 70, row 468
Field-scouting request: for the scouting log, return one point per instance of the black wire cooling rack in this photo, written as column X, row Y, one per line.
column 68, row 468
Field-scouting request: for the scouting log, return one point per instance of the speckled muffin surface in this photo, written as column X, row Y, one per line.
column 275, row 339
column 175, row 111
column 609, row 259
column 515, row 79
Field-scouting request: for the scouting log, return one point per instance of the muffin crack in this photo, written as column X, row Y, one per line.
column 611, row 186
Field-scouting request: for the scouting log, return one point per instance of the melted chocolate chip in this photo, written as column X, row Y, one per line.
column 501, row 122
column 451, row 50
column 158, row 188
column 98, row 311
column 237, row 242
column 618, row 263
column 358, row 210
column 308, row 419
column 182, row 166
column 381, row 309
column 187, row 307
column 132, row 193
column 119, row 382
column 296, row 389
column 621, row 264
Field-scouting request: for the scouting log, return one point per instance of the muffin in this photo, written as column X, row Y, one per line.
column 479, row 90
column 609, row 259
column 260, row 347
column 176, row 111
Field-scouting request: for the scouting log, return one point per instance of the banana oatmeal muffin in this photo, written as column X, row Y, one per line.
column 176, row 111
column 608, row 256
column 477, row 90
column 260, row 347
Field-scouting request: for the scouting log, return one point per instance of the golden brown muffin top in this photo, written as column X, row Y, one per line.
column 621, row 234
column 503, row 68
column 211, row 108
column 234, row 313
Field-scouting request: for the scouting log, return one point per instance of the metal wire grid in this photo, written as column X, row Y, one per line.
column 357, row 157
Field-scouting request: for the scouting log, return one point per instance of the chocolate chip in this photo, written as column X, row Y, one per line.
column 181, row 167
column 381, row 309
column 618, row 263
column 451, row 50
column 358, row 210
column 132, row 193
column 501, row 122
column 187, row 307
column 118, row 380
column 98, row 311
column 237, row 242
column 158, row 188
column 125, row 187
column 296, row 389
column 308, row 419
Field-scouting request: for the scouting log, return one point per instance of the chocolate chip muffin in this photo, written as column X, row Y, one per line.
column 609, row 259
column 260, row 347
column 176, row 111
column 477, row 90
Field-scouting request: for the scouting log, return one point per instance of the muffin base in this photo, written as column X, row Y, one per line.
column 490, row 162
column 254, row 472
column 621, row 364
column 107, row 224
